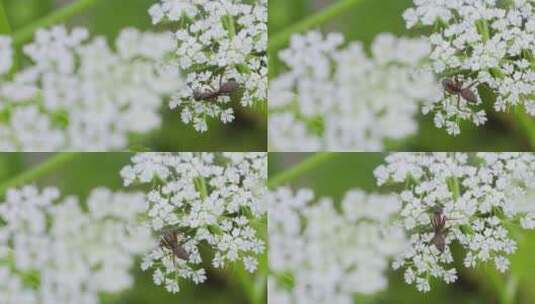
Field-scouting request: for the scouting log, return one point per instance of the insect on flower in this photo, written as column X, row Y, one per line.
column 455, row 87
column 225, row 89
column 172, row 240
column 438, row 221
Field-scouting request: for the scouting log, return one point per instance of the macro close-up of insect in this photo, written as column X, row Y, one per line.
column 225, row 89
column 456, row 87
column 172, row 241
column 438, row 221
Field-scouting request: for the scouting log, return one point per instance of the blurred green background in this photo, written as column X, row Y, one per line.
column 363, row 22
column 345, row 171
column 107, row 17
column 89, row 170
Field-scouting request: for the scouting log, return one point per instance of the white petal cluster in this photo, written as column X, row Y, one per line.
column 82, row 95
column 337, row 98
column 478, row 195
column 208, row 199
column 488, row 43
column 53, row 250
column 319, row 254
column 218, row 41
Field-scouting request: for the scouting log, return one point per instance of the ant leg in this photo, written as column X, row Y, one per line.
column 455, row 218
column 214, row 90
column 476, row 82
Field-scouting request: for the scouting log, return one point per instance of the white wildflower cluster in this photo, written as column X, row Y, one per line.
column 79, row 94
column 321, row 252
column 485, row 43
column 53, row 250
column 221, row 44
column 475, row 195
column 337, row 98
column 205, row 200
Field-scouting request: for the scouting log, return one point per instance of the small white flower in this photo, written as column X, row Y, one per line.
column 172, row 286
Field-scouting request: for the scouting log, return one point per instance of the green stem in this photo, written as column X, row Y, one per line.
column 4, row 22
column 278, row 40
column 40, row 170
column 483, row 28
column 228, row 22
column 299, row 169
column 5, row 28
column 247, row 283
column 260, row 286
column 527, row 125
column 200, row 183
column 510, row 290
column 455, row 188
column 26, row 33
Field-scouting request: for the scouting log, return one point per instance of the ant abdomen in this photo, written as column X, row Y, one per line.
column 455, row 87
column 225, row 89
column 229, row 87
column 468, row 95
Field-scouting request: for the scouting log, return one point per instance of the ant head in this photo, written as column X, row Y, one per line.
column 447, row 82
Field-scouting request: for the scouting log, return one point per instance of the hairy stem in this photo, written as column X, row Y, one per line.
column 278, row 40
column 299, row 169
column 38, row 171
column 26, row 33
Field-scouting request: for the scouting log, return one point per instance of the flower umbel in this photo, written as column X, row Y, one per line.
column 79, row 94
column 199, row 199
column 477, row 196
column 321, row 255
column 52, row 251
column 485, row 44
column 337, row 98
column 221, row 43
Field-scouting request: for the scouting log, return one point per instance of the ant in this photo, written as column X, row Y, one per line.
column 225, row 89
column 455, row 87
column 171, row 240
column 438, row 221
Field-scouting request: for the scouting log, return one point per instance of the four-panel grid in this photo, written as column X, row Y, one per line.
column 267, row 151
